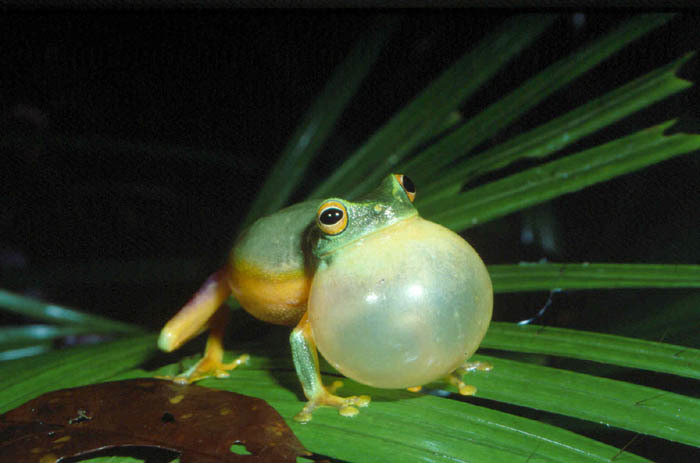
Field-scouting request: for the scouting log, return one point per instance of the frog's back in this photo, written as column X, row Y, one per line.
column 270, row 271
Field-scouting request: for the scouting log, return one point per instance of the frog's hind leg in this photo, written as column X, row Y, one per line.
column 212, row 364
column 203, row 310
column 455, row 378
column 306, row 364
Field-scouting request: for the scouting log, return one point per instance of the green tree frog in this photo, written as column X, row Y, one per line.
column 389, row 299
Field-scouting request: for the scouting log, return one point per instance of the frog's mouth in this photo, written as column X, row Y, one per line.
column 324, row 249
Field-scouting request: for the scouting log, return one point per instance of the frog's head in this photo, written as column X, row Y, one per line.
column 341, row 222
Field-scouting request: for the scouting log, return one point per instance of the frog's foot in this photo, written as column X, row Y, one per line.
column 208, row 367
column 347, row 406
column 455, row 378
column 476, row 366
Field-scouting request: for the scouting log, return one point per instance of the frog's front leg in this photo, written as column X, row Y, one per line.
column 203, row 310
column 306, row 363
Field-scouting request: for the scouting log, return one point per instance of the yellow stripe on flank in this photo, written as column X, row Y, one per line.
column 278, row 298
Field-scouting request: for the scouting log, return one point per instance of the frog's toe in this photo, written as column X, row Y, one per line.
column 348, row 410
column 455, row 378
column 346, row 406
column 478, row 366
column 208, row 367
column 357, row 400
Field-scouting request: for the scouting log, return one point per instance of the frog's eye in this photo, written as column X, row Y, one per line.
column 407, row 185
column 332, row 217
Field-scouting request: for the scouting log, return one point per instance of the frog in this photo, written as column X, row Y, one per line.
column 389, row 299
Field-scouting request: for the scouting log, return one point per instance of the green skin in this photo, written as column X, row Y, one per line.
column 384, row 206
column 289, row 240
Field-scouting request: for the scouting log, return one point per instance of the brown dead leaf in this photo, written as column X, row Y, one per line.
column 200, row 424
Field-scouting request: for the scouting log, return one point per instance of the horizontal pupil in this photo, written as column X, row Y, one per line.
column 331, row 216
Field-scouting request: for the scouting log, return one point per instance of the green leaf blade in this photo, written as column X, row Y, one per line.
column 572, row 173
column 549, row 276
column 429, row 111
column 27, row 340
column 562, row 131
column 508, row 108
column 38, row 310
column 597, row 347
column 24, row 379
column 616, row 403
